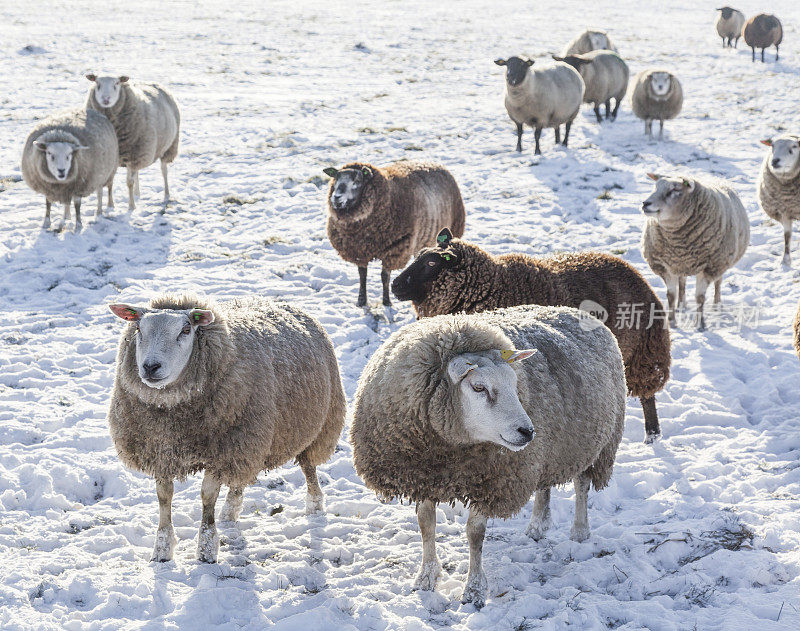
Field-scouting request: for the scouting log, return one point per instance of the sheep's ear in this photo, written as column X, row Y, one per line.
column 688, row 184
column 767, row 141
column 79, row 147
column 331, row 172
column 444, row 237
column 123, row 79
column 511, row 356
column 367, row 172
column 127, row 312
column 557, row 58
column 41, row 145
column 654, row 176
column 201, row 317
column 500, row 62
column 528, row 61
column 459, row 367
column 91, row 77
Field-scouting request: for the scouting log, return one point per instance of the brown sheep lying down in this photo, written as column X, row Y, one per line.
column 456, row 276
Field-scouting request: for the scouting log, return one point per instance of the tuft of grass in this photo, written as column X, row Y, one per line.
column 275, row 510
column 606, row 194
column 238, row 200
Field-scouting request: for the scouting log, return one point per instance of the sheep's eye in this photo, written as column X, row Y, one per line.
column 432, row 263
column 186, row 329
column 478, row 388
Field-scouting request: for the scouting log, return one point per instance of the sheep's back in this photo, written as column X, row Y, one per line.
column 549, row 97
column 605, row 77
column 762, row 31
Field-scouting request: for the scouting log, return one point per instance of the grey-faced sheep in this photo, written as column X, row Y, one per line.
column 779, row 185
column 68, row 156
column 457, row 276
column 541, row 98
column 588, row 41
column 231, row 388
column 763, row 31
column 605, row 76
column 387, row 213
column 694, row 228
column 729, row 26
column 147, row 121
column 657, row 95
column 446, row 412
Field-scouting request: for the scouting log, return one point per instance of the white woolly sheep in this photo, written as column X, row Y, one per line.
column 657, row 95
column 779, row 185
column 542, row 97
column 444, row 412
column 605, row 76
column 729, row 26
column 694, row 228
column 588, row 41
column 68, row 156
column 231, row 388
column 147, row 121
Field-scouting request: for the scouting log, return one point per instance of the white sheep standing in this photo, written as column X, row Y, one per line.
column 588, row 41
column 147, row 121
column 542, row 97
column 729, row 25
column 779, row 185
column 68, row 156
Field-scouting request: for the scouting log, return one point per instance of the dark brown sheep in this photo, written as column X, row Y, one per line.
column 762, row 31
column 456, row 276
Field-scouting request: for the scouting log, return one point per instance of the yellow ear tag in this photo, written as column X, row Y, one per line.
column 507, row 356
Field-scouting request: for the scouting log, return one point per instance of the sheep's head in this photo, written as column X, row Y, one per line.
column 660, row 83
column 107, row 89
column 576, row 61
column 665, row 203
column 784, row 159
column 727, row 12
column 59, row 157
column 516, row 69
column 598, row 40
column 164, row 340
column 485, row 385
column 347, row 188
column 415, row 282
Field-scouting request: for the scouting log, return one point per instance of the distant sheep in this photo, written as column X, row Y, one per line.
column 729, row 26
column 693, row 228
column 588, row 41
column 387, row 213
column 541, row 98
column 457, row 276
column 763, row 31
column 605, row 76
column 445, row 411
column 147, row 121
column 657, row 95
column 68, row 156
column 232, row 388
column 779, row 185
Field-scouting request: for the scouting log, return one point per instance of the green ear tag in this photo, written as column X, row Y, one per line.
column 446, row 257
column 441, row 238
column 196, row 317
column 131, row 311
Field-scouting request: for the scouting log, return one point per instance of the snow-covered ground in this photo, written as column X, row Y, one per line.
column 699, row 531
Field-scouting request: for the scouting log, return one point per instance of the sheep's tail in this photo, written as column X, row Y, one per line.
column 647, row 369
column 601, row 469
column 323, row 446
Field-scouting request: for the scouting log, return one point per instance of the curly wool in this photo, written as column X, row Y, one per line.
column 762, row 31
column 482, row 282
column 91, row 169
column 261, row 387
column 408, row 438
column 647, row 105
column 549, row 96
column 147, row 121
column 402, row 209
column 713, row 236
column 583, row 44
column 779, row 198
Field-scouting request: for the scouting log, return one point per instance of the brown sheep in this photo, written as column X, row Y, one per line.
column 456, row 276
column 762, row 31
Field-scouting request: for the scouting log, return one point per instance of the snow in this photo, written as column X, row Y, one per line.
column 700, row 530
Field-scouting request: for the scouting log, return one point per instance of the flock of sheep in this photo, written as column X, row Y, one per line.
column 504, row 386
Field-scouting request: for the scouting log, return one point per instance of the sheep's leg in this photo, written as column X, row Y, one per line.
column 616, row 109
column 362, row 286
column 315, row 501
column 136, row 186
column 661, row 129
column 776, row 52
column 207, row 538
column 78, row 225
column 671, row 281
column 597, row 112
column 476, row 586
column 541, row 520
column 736, row 42
column 232, row 507
column 46, row 222
column 568, row 126
column 537, row 134
column 130, row 180
column 165, row 535
column 701, row 285
column 786, row 222
column 67, row 211
column 100, row 201
column 608, row 108
column 718, row 291
column 431, row 569
column 648, row 128
column 723, row 42
column 385, row 275
column 762, row 55
column 519, row 136
column 681, row 291
column 580, row 528
column 166, row 184
column 652, row 430
column 753, row 48
column 558, row 134
column 110, row 204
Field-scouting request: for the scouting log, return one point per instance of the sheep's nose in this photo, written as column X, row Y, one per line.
column 526, row 433
column 61, row 172
column 775, row 162
column 150, row 369
column 646, row 205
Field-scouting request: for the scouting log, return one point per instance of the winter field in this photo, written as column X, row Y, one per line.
column 698, row 531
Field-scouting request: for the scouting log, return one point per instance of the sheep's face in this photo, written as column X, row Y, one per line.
column 598, row 40
column 727, row 12
column 58, row 156
column 347, row 188
column 665, row 203
column 490, row 405
column 516, row 69
column 784, row 159
column 164, row 340
column 660, row 83
column 107, row 89
column 415, row 282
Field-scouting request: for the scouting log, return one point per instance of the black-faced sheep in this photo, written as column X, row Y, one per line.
column 457, row 276
column 729, row 26
column 779, row 185
column 147, row 121
column 694, row 228
column 231, row 388
column 545, row 97
column 763, row 31
column 387, row 213
column 657, row 95
column 605, row 76
column 446, row 412
column 68, row 156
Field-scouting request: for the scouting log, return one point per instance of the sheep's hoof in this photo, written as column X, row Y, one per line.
column 46, row 224
column 538, row 527
column 649, row 439
column 387, row 302
column 314, row 504
column 475, row 590
column 361, row 302
column 230, row 512
column 786, row 262
column 165, row 545
column 207, row 544
column 78, row 226
column 428, row 575
column 579, row 533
